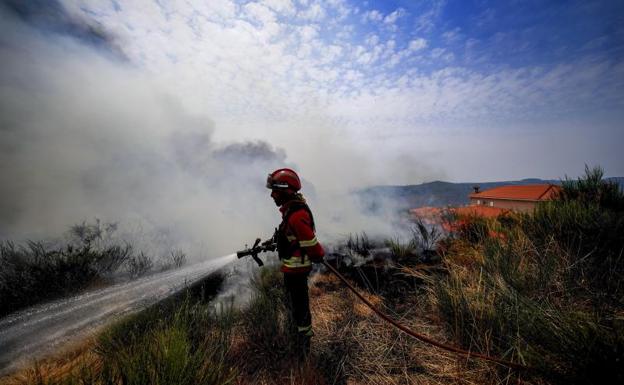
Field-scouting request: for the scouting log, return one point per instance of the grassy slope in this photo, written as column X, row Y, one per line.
column 544, row 290
column 186, row 343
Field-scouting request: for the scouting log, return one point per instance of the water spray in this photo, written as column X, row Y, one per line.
column 34, row 332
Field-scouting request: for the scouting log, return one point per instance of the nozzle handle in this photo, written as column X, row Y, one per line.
column 257, row 259
column 253, row 251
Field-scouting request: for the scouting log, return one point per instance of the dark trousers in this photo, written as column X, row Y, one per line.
column 296, row 285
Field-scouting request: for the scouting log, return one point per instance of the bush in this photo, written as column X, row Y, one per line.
column 34, row 272
column 514, row 304
column 587, row 224
column 472, row 228
column 593, row 190
column 359, row 244
column 189, row 347
column 421, row 245
column 401, row 251
column 139, row 265
column 174, row 260
column 425, row 238
column 548, row 292
column 267, row 323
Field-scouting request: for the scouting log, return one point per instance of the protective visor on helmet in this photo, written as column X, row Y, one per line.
column 273, row 184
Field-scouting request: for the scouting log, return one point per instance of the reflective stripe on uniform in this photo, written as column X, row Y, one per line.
column 309, row 243
column 291, row 238
column 294, row 262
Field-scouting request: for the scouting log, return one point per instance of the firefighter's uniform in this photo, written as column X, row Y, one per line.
column 298, row 248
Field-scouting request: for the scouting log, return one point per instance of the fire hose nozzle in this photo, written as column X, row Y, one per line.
column 254, row 251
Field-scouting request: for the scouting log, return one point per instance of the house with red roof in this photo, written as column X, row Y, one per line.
column 522, row 198
column 491, row 203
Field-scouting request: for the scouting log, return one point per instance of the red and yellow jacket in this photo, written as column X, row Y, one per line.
column 297, row 244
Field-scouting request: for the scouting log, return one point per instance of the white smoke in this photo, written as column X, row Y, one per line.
column 85, row 135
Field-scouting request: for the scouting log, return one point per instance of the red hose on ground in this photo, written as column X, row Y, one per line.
column 421, row 337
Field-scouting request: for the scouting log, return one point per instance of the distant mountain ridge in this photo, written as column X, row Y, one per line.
column 436, row 194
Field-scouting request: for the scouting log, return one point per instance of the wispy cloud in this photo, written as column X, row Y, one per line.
column 290, row 71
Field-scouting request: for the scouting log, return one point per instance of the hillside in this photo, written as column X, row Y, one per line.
column 437, row 193
column 540, row 290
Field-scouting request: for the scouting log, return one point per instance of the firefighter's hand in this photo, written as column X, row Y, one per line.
column 269, row 244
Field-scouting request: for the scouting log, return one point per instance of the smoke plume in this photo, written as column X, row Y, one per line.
column 86, row 134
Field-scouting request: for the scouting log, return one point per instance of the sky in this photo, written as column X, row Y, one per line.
column 464, row 90
column 183, row 100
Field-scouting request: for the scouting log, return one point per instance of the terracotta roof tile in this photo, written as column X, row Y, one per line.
column 529, row 192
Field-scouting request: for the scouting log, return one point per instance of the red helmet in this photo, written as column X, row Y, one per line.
column 284, row 179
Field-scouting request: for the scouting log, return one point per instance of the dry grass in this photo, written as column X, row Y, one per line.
column 351, row 346
column 68, row 362
column 375, row 352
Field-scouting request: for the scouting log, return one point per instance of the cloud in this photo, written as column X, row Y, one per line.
column 308, row 32
column 372, row 15
column 283, row 7
column 443, row 54
column 260, row 13
column 427, row 18
column 454, row 95
column 315, row 12
column 394, row 16
column 388, row 21
column 417, row 44
column 452, row 35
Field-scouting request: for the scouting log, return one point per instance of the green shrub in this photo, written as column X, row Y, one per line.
column 472, row 228
column 359, row 244
column 34, row 272
column 400, row 250
column 587, row 224
column 267, row 323
column 422, row 242
column 593, row 190
column 189, row 347
column 139, row 265
column 515, row 306
column 424, row 237
column 548, row 291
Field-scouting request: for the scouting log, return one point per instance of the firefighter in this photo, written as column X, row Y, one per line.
column 297, row 248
